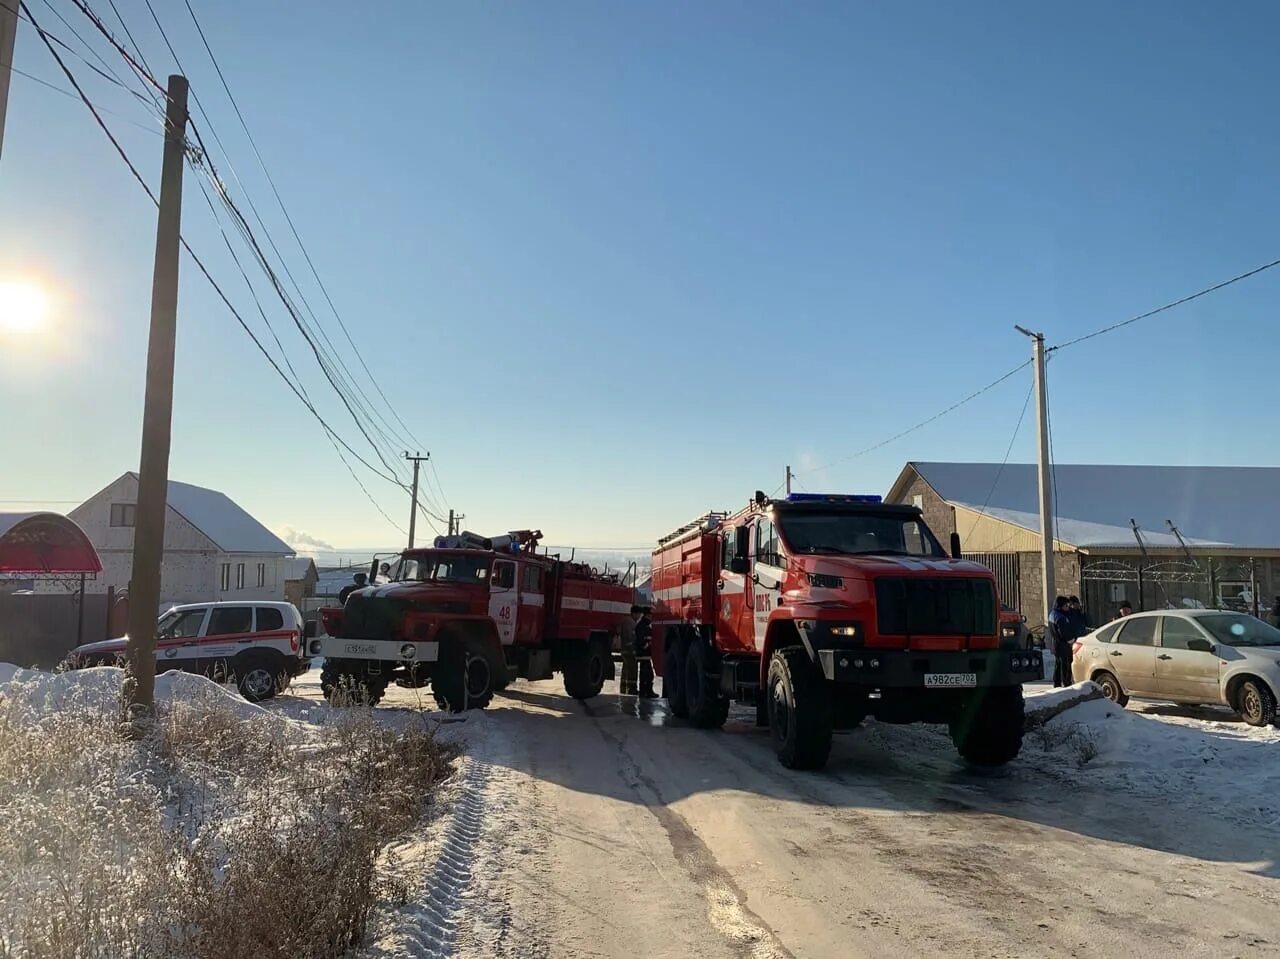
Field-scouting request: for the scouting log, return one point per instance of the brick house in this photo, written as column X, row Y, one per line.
column 213, row 549
column 1223, row 514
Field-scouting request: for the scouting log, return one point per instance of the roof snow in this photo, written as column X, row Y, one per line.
column 1210, row 505
column 222, row 520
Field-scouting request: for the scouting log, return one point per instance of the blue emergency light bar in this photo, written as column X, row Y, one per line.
column 834, row 498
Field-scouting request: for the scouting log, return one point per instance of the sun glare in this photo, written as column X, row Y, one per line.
column 23, row 306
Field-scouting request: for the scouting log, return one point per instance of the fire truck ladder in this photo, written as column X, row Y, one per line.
column 708, row 520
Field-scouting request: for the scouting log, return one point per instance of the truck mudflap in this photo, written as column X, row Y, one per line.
column 920, row 669
column 337, row 647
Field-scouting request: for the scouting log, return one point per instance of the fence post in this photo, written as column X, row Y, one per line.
column 1142, row 603
column 1213, row 585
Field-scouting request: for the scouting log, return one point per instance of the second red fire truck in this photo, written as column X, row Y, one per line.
column 470, row 614
column 822, row 610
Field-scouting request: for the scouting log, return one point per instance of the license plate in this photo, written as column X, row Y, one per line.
column 937, row 680
column 360, row 649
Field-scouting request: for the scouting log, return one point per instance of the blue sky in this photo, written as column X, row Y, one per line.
column 615, row 264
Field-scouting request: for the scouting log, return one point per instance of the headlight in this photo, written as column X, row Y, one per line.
column 1008, row 630
column 848, row 630
column 874, row 664
column 408, row 651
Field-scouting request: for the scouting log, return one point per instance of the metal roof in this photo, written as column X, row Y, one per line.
column 222, row 520
column 1211, row 505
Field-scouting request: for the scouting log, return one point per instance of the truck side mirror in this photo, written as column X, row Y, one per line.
column 741, row 542
column 738, row 564
column 955, row 545
column 309, row 629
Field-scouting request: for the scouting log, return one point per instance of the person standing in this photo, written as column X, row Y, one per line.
column 1079, row 618
column 644, row 634
column 358, row 581
column 1058, row 629
column 630, row 665
column 1124, row 610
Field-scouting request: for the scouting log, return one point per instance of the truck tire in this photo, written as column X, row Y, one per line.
column 707, row 708
column 259, row 677
column 799, row 709
column 464, row 678
column 988, row 731
column 673, row 677
column 345, row 685
column 584, row 676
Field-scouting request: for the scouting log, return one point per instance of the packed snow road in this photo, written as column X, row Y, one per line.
column 607, row 829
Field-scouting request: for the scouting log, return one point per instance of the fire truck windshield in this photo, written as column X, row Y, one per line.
column 855, row 533
column 443, row 568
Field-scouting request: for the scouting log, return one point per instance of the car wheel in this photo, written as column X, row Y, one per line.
column 1256, row 703
column 1111, row 688
column 259, row 680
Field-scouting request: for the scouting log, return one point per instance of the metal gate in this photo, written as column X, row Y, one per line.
column 1008, row 572
column 1176, row 584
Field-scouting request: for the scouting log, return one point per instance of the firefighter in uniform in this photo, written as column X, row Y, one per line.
column 644, row 634
column 630, row 666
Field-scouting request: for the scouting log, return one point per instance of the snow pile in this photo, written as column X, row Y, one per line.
column 1227, row 766
column 98, row 690
column 223, row 829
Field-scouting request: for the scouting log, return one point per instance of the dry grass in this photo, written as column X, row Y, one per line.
column 214, row 836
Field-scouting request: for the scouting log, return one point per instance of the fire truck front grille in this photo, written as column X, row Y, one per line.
column 371, row 617
column 907, row 606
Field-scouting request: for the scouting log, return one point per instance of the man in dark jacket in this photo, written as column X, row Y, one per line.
column 359, row 581
column 1058, row 631
column 644, row 634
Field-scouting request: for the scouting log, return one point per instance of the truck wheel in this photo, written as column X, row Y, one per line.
column 673, row 677
column 584, row 676
column 349, row 686
column 707, row 708
column 799, row 709
column 259, row 678
column 464, row 678
column 988, row 731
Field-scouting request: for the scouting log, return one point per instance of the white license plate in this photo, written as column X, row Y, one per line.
column 963, row 680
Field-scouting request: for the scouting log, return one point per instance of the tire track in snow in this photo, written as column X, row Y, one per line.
column 429, row 927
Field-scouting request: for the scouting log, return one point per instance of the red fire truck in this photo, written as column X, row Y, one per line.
column 821, row 610
column 470, row 614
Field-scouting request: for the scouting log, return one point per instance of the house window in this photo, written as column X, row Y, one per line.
column 239, row 575
column 918, row 501
column 124, row 514
column 225, row 579
column 262, row 574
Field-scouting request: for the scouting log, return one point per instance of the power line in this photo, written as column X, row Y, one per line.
column 288, row 219
column 1168, row 306
column 923, row 423
column 70, row 93
column 200, row 263
column 1004, row 462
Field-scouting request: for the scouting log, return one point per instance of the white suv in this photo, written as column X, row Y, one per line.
column 258, row 645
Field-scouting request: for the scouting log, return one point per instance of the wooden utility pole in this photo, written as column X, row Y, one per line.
column 416, row 460
column 8, row 34
column 157, row 418
column 450, row 522
column 1046, row 487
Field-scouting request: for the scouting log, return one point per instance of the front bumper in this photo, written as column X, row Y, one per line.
column 908, row 668
column 380, row 650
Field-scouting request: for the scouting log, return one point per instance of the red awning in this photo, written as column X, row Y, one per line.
column 45, row 543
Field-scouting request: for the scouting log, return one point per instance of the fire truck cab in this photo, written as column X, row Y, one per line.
column 470, row 614
column 821, row 610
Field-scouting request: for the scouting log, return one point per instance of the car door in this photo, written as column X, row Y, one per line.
column 504, row 607
column 178, row 640
column 1185, row 668
column 229, row 631
column 734, row 625
column 1133, row 655
column 530, row 621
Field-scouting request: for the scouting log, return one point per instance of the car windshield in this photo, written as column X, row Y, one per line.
column 858, row 534
column 443, row 568
column 1238, row 629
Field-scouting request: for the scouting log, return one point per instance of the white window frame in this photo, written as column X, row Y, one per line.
column 224, row 577
column 239, row 575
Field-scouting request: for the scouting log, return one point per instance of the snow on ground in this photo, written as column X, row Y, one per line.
column 1160, row 751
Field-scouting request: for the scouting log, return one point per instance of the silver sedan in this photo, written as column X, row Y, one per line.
column 1194, row 656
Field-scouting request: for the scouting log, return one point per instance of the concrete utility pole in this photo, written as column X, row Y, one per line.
column 8, row 34
column 1046, row 488
column 416, row 460
column 788, row 480
column 450, row 522
column 157, row 418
